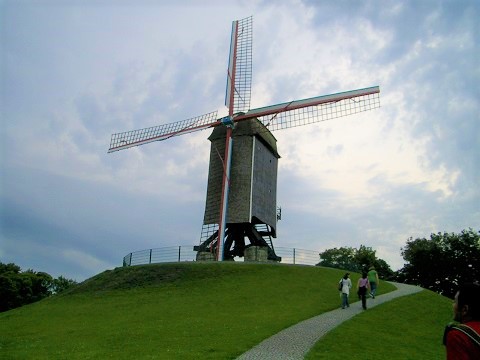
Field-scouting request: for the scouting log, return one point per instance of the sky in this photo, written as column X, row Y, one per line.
column 74, row 72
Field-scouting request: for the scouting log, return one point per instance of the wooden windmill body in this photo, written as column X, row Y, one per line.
column 242, row 181
column 252, row 208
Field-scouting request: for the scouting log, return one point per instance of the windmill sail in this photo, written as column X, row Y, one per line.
column 128, row 139
column 275, row 117
column 239, row 75
column 320, row 108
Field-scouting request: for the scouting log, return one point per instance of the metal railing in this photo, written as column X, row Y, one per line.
column 186, row 253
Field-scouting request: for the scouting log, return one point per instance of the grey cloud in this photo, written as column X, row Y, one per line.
column 75, row 74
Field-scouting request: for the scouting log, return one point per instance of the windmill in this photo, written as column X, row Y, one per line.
column 241, row 191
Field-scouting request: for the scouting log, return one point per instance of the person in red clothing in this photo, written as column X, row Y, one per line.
column 462, row 339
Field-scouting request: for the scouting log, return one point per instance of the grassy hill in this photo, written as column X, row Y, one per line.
column 205, row 311
column 409, row 327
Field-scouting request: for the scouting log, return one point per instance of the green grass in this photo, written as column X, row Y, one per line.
column 181, row 310
column 405, row 328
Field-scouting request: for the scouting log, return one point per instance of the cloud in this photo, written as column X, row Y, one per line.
column 75, row 73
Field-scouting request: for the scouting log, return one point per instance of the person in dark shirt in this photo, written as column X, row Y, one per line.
column 462, row 338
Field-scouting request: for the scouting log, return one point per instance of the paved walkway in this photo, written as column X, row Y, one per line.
column 294, row 342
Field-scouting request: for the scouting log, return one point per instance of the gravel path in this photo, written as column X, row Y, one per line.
column 294, row 342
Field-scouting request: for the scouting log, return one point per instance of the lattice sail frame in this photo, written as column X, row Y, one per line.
column 275, row 117
column 299, row 113
column 124, row 140
column 242, row 36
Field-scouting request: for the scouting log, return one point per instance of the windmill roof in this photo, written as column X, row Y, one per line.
column 250, row 127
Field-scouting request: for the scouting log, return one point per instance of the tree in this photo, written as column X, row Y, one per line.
column 384, row 269
column 442, row 262
column 365, row 257
column 61, row 284
column 9, row 286
column 40, row 283
column 355, row 260
column 341, row 258
column 19, row 288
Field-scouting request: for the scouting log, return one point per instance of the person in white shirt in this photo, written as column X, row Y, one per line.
column 346, row 286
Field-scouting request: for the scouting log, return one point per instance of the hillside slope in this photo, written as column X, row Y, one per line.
column 409, row 327
column 164, row 311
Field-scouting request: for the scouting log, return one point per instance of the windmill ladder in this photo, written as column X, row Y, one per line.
column 296, row 341
column 265, row 232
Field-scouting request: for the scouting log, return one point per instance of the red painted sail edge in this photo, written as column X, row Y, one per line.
column 230, row 64
column 233, row 70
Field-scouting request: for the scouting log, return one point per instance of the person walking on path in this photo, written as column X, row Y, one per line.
column 346, row 284
column 362, row 286
column 373, row 280
column 295, row 342
column 462, row 338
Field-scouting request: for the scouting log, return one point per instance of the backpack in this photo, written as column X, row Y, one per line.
column 340, row 285
column 467, row 330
